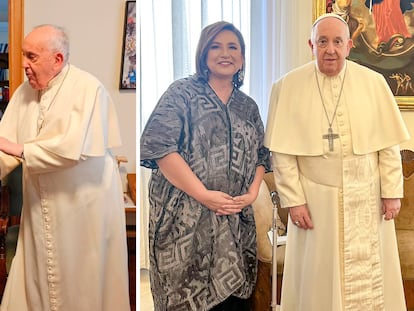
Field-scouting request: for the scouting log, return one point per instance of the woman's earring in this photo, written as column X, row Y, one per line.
column 240, row 75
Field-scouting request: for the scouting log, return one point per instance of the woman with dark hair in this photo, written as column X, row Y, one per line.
column 204, row 144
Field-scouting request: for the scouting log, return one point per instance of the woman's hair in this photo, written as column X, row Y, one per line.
column 206, row 38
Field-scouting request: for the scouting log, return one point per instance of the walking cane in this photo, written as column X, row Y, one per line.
column 275, row 200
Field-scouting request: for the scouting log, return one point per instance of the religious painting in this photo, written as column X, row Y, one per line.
column 383, row 36
column 128, row 78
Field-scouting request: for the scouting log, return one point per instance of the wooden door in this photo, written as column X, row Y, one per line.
column 16, row 16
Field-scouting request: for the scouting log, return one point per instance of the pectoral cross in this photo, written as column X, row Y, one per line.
column 330, row 137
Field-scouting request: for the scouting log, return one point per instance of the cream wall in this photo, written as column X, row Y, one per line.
column 95, row 30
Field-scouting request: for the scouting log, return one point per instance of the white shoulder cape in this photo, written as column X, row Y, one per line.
column 295, row 112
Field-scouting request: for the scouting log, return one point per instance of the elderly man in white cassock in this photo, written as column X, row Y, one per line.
column 334, row 130
column 61, row 125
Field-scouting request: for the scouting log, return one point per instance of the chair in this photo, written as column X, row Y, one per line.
column 261, row 298
column 404, row 225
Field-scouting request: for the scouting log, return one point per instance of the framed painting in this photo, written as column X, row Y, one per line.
column 383, row 36
column 128, row 79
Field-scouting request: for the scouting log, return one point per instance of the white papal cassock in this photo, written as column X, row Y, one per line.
column 349, row 261
column 71, row 252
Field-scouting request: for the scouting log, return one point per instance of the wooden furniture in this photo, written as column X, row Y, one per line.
column 11, row 203
column 404, row 225
column 130, row 212
column 4, row 219
column 130, row 202
column 130, row 208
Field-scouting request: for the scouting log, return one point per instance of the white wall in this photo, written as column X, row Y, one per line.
column 95, row 29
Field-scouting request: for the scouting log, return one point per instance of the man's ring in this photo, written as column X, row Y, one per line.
column 297, row 223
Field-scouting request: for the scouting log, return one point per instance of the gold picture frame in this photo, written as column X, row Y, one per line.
column 391, row 54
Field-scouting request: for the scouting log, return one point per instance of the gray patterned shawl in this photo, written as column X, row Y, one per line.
column 198, row 259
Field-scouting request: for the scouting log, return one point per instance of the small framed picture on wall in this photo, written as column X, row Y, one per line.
column 128, row 78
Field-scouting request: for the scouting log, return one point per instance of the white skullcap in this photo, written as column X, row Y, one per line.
column 326, row 15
